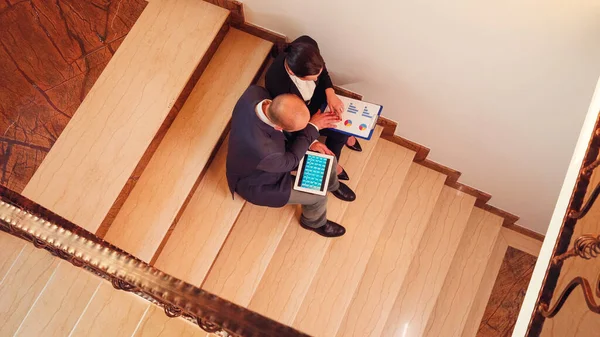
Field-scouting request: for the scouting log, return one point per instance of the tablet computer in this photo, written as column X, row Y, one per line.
column 313, row 173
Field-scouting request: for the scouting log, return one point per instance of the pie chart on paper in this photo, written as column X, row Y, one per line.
column 359, row 118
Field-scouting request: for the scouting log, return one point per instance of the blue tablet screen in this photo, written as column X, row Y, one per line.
column 313, row 173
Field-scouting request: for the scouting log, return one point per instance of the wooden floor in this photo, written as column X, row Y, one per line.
column 418, row 258
column 507, row 295
column 51, row 54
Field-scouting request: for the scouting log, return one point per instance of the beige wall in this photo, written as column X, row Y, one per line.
column 497, row 89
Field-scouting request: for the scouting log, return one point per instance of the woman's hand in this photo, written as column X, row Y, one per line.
column 321, row 148
column 334, row 102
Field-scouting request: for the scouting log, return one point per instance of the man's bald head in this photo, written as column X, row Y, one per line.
column 288, row 112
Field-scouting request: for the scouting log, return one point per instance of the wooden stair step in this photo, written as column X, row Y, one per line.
column 22, row 285
column 203, row 227
column 466, row 272
column 345, row 261
column 242, row 261
column 422, row 285
column 300, row 252
column 89, row 164
column 182, row 155
column 484, row 289
column 60, row 304
column 393, row 253
column 111, row 313
column 11, row 249
column 522, row 242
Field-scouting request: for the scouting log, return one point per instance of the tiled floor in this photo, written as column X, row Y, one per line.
column 51, row 53
column 508, row 293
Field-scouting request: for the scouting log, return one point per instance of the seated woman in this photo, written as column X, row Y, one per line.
column 301, row 70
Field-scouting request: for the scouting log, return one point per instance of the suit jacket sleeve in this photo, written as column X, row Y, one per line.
column 324, row 78
column 288, row 161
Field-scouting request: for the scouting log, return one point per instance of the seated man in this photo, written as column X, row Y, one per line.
column 260, row 158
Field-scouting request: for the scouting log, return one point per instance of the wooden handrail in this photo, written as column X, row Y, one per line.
column 24, row 218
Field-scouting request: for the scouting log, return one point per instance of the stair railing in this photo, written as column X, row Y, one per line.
column 27, row 220
column 585, row 247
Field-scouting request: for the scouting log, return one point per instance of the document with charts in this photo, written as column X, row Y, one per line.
column 359, row 119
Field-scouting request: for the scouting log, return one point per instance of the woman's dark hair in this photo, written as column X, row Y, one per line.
column 304, row 59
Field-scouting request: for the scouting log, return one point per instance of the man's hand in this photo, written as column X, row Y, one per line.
column 321, row 148
column 324, row 120
column 335, row 103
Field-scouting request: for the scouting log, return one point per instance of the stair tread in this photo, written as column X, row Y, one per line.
column 22, row 285
column 288, row 277
column 339, row 274
column 466, row 272
column 394, row 251
column 11, row 248
column 522, row 242
column 61, row 303
column 247, row 251
column 170, row 175
column 203, row 226
column 427, row 272
column 484, row 289
column 90, row 162
column 111, row 313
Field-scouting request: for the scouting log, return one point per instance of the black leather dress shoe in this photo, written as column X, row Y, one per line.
column 329, row 230
column 344, row 193
column 355, row 147
column 343, row 175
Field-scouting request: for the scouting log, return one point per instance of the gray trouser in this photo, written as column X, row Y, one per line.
column 314, row 207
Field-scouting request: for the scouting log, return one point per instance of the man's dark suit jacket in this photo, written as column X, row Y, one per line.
column 259, row 160
column 277, row 80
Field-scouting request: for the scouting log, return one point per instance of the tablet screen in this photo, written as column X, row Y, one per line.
column 313, row 173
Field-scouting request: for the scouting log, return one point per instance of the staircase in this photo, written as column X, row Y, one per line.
column 418, row 259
